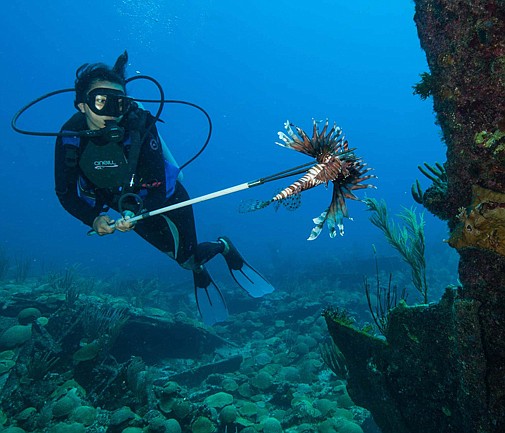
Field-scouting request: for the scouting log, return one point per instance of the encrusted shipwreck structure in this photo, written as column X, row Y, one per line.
column 442, row 366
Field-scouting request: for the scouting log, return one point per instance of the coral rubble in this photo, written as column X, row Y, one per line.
column 96, row 363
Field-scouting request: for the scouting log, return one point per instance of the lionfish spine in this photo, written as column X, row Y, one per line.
column 289, row 138
column 309, row 180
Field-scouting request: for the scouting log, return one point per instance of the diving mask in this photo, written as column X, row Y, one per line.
column 108, row 102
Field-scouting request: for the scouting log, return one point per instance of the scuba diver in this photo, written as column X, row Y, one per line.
column 117, row 160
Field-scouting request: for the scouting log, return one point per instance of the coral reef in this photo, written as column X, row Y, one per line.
column 465, row 49
column 409, row 381
column 441, row 367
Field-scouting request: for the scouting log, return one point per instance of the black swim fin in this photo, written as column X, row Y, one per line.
column 209, row 299
column 243, row 273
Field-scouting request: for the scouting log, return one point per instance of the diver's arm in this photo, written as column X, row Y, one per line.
column 66, row 184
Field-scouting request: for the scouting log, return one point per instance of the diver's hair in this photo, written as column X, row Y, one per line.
column 88, row 74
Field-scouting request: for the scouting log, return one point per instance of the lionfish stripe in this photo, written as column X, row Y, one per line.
column 353, row 187
column 350, row 196
column 330, row 171
column 334, row 133
column 368, row 176
column 363, row 178
column 287, row 127
column 304, row 136
column 284, row 138
column 296, row 144
column 322, row 133
column 321, row 218
column 315, row 232
column 297, row 187
column 331, row 227
column 309, row 180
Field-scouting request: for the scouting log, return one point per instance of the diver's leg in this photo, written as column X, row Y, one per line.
column 193, row 255
column 175, row 234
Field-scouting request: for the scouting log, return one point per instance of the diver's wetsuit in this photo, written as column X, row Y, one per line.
column 84, row 195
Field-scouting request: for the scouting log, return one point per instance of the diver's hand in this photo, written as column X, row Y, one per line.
column 103, row 225
column 123, row 225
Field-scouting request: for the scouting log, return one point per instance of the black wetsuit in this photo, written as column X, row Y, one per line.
column 155, row 181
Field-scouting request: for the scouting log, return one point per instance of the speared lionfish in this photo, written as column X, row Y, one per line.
column 335, row 163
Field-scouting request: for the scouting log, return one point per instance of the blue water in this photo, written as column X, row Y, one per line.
column 251, row 66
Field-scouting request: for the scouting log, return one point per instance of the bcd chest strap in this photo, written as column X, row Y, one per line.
column 138, row 131
column 107, row 165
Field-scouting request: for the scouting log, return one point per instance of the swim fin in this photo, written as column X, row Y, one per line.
column 243, row 273
column 209, row 299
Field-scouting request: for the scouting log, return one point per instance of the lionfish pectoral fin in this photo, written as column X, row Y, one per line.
column 336, row 214
column 333, row 230
column 319, row 222
column 286, row 141
column 334, row 221
column 331, row 227
column 287, row 127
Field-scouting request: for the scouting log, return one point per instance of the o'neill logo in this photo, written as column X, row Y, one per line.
column 100, row 165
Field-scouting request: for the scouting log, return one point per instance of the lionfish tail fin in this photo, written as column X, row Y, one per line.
column 253, row 205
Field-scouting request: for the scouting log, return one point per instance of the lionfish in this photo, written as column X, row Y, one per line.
column 335, row 163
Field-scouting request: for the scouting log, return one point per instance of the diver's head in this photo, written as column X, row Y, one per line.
column 100, row 92
column 105, row 101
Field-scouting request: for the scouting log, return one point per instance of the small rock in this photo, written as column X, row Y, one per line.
column 219, row 400
column 203, row 425
column 28, row 315
column 15, row 336
column 228, row 415
column 121, row 416
column 271, row 425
